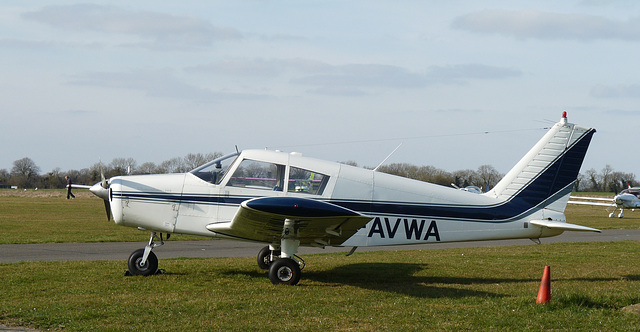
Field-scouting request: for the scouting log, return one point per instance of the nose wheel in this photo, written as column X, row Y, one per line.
column 138, row 267
column 143, row 262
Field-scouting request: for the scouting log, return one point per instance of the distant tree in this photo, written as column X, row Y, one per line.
column 193, row 160
column 350, row 163
column 465, row 178
column 579, row 186
column 620, row 180
column 424, row 173
column 593, row 180
column 54, row 179
column 173, row 165
column 25, row 173
column 122, row 166
column 4, row 176
column 606, row 178
column 147, row 168
column 488, row 176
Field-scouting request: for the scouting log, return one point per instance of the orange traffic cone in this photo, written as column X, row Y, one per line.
column 544, row 294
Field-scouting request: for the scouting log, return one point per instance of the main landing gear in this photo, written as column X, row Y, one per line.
column 613, row 214
column 143, row 261
column 281, row 260
column 283, row 264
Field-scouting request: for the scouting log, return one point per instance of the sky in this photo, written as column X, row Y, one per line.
column 455, row 84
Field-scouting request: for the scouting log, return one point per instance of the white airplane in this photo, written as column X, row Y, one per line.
column 627, row 199
column 286, row 201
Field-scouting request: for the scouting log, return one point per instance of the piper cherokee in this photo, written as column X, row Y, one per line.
column 285, row 201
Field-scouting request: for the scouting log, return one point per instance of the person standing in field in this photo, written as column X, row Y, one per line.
column 69, row 183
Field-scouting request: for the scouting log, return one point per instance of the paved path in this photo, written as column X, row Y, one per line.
column 10, row 253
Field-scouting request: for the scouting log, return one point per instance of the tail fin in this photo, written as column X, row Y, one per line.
column 549, row 170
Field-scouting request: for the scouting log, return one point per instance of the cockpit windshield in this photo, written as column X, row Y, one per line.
column 632, row 191
column 215, row 170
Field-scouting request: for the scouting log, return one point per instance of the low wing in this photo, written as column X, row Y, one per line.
column 317, row 223
column 599, row 201
column 563, row 226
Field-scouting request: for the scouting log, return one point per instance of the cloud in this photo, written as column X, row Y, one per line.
column 156, row 83
column 457, row 73
column 314, row 77
column 525, row 24
column 39, row 45
column 158, row 30
column 620, row 91
column 364, row 75
column 260, row 67
column 386, row 76
column 351, row 79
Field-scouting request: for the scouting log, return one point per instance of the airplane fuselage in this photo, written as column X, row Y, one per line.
column 402, row 211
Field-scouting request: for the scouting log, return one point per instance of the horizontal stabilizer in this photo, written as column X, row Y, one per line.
column 563, row 226
column 591, row 203
column 591, row 198
column 598, row 201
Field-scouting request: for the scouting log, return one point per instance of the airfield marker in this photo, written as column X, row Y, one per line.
column 544, row 293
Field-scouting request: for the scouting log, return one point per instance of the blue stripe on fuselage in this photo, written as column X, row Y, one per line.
column 557, row 177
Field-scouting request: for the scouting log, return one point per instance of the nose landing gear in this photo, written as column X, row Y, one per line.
column 143, row 261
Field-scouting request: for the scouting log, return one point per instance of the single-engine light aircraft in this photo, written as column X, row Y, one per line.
column 286, row 201
column 627, row 199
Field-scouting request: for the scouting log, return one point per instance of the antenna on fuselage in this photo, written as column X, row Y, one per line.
column 237, row 149
column 389, row 156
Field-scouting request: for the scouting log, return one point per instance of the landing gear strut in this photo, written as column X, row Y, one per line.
column 143, row 261
column 286, row 269
column 613, row 214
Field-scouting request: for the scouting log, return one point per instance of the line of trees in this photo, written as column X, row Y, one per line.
column 607, row 180
column 26, row 174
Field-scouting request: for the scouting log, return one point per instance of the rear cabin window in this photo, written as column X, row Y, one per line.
column 258, row 175
column 305, row 181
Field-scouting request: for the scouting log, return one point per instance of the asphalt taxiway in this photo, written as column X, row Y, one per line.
column 10, row 253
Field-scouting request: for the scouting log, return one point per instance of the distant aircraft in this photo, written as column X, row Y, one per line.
column 626, row 199
column 286, row 201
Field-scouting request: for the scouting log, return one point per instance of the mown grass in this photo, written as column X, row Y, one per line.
column 491, row 288
column 448, row 289
column 46, row 216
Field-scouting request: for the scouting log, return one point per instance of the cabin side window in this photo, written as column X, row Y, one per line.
column 258, row 175
column 305, row 181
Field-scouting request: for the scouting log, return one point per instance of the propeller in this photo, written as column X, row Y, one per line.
column 101, row 189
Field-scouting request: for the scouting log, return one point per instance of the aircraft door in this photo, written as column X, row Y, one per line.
column 251, row 179
column 199, row 206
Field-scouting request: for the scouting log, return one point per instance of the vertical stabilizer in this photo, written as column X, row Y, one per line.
column 549, row 170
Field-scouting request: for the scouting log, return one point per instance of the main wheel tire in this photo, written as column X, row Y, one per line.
column 264, row 257
column 284, row 271
column 150, row 266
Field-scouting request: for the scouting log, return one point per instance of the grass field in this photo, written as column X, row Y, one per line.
column 46, row 216
column 492, row 288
